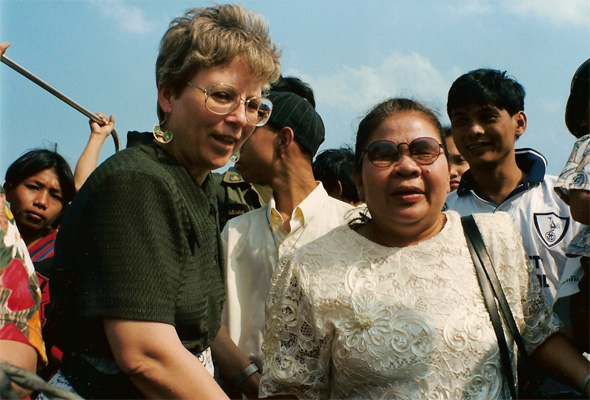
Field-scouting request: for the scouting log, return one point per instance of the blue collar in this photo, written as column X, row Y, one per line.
column 531, row 162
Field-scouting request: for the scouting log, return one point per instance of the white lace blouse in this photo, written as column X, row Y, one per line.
column 348, row 318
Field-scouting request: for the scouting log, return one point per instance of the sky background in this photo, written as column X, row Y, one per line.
column 354, row 54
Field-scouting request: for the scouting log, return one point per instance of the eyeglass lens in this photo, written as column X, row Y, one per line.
column 223, row 99
column 424, row 150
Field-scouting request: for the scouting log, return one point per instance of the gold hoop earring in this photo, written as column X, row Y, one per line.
column 235, row 157
column 162, row 136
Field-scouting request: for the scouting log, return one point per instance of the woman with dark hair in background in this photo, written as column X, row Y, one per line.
column 39, row 186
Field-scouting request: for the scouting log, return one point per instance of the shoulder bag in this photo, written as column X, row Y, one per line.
column 494, row 297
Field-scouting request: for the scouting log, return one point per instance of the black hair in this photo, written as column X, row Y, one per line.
column 294, row 85
column 446, row 133
column 384, row 110
column 486, row 87
column 35, row 161
column 578, row 104
column 446, row 130
column 333, row 165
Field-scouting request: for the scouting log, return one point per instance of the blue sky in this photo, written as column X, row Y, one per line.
column 353, row 53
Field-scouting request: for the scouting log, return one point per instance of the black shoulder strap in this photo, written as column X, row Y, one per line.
column 482, row 252
column 490, row 294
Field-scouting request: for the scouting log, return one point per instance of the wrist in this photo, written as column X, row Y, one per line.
column 99, row 136
column 245, row 374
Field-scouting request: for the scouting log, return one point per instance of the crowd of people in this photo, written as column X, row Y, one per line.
column 340, row 274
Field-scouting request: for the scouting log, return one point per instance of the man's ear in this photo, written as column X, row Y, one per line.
column 286, row 136
column 358, row 181
column 165, row 94
column 520, row 121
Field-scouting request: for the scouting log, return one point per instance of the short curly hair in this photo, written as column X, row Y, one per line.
column 206, row 37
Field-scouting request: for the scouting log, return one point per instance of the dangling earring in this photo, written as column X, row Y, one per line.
column 161, row 134
column 235, row 157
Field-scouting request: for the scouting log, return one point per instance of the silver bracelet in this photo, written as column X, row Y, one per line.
column 245, row 374
column 586, row 380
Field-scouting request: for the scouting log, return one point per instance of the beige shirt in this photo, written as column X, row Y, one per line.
column 349, row 318
column 254, row 243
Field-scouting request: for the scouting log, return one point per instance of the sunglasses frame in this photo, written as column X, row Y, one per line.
column 398, row 157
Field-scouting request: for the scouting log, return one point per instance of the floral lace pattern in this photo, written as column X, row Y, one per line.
column 348, row 318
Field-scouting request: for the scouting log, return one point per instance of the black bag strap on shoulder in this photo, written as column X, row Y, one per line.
column 492, row 291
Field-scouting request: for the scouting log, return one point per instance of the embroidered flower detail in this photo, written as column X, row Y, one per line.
column 282, row 316
column 368, row 325
column 360, row 278
column 464, row 327
column 410, row 334
column 474, row 327
column 484, row 384
column 285, row 370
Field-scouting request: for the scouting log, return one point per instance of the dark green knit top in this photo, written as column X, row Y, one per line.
column 140, row 241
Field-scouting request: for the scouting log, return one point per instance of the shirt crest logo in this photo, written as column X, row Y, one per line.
column 550, row 227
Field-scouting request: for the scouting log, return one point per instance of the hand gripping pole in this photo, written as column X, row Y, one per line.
column 27, row 74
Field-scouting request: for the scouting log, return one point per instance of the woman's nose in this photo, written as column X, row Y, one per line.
column 405, row 164
column 239, row 114
column 41, row 199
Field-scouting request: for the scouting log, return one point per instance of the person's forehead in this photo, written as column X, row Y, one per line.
column 474, row 109
column 47, row 175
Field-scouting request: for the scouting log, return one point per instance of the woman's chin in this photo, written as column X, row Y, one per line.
column 219, row 161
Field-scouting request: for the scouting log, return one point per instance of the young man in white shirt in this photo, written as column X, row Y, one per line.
column 486, row 109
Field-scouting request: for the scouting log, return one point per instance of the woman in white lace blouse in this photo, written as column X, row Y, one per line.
column 391, row 307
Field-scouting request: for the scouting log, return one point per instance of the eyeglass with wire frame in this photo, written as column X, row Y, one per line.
column 222, row 99
column 383, row 153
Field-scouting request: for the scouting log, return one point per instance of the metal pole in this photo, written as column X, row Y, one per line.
column 27, row 74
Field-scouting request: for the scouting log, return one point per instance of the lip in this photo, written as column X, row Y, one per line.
column 227, row 142
column 454, row 184
column 32, row 215
column 477, row 146
column 408, row 193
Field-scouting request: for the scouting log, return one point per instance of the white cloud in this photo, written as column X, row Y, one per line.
column 409, row 75
column 471, row 6
column 129, row 18
column 561, row 12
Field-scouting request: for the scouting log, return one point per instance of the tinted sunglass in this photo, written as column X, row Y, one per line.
column 383, row 153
